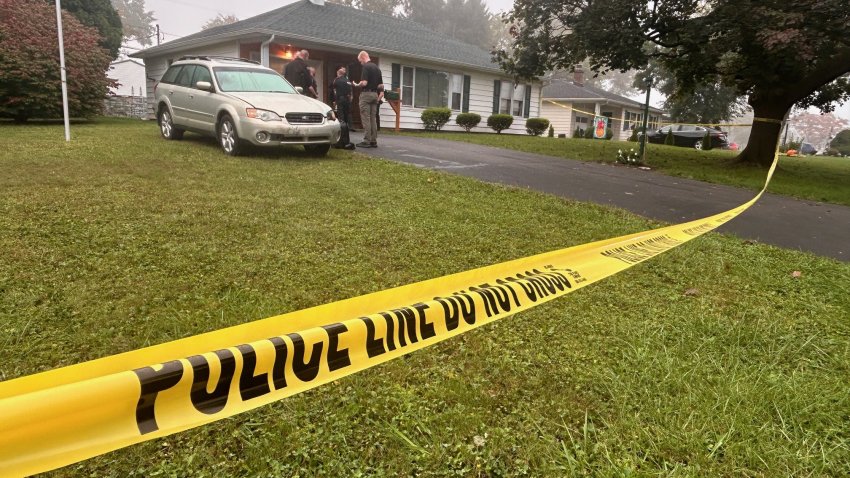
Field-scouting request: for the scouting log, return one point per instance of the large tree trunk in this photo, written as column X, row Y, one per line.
column 764, row 135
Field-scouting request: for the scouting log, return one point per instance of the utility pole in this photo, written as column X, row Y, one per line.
column 157, row 34
column 62, row 69
column 642, row 153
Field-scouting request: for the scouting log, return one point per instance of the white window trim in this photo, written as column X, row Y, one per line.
column 413, row 107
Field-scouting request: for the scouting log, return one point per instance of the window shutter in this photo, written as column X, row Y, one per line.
column 396, row 83
column 467, row 80
column 527, row 101
column 497, row 91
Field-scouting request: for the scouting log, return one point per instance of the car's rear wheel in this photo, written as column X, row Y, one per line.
column 317, row 149
column 228, row 139
column 166, row 125
column 698, row 145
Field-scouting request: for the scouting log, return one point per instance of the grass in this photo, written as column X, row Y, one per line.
column 817, row 178
column 120, row 240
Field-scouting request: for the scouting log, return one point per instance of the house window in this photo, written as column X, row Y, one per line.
column 457, row 91
column 505, row 97
column 407, row 86
column 633, row 120
column 582, row 122
column 426, row 88
column 431, row 88
column 653, row 122
column 512, row 99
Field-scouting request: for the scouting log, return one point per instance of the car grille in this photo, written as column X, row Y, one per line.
column 304, row 118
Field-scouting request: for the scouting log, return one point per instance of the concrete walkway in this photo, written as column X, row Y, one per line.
column 815, row 227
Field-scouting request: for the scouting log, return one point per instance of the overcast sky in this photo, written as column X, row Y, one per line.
column 178, row 18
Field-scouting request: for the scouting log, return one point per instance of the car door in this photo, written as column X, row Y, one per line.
column 179, row 96
column 201, row 105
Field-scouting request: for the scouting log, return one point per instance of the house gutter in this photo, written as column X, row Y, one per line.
column 264, row 51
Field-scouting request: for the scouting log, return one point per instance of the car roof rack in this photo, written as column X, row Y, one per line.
column 217, row 57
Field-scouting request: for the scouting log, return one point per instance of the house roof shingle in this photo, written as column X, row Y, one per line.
column 567, row 90
column 341, row 25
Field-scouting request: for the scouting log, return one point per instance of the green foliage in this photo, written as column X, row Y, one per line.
column 588, row 132
column 669, row 140
column 841, row 142
column 101, row 15
column 578, row 133
column 136, row 21
column 551, row 131
column 706, row 141
column 435, row 118
column 500, row 122
column 536, row 126
column 30, row 85
column 629, row 157
column 832, row 152
column 634, row 136
column 468, row 121
column 609, row 133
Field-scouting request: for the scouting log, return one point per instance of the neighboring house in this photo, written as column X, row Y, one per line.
column 571, row 104
column 130, row 75
column 427, row 68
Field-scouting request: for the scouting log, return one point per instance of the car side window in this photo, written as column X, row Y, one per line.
column 185, row 76
column 201, row 74
column 170, row 76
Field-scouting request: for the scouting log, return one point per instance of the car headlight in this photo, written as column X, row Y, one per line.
column 330, row 115
column 264, row 115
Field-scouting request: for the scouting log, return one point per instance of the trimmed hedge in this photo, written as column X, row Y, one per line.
column 468, row 121
column 499, row 122
column 536, row 126
column 435, row 118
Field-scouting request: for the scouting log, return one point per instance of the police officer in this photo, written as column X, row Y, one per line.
column 343, row 93
column 372, row 83
column 296, row 72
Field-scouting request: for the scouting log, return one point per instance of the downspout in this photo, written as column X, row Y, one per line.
column 264, row 51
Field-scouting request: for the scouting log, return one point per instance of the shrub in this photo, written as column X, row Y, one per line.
column 706, row 141
column 634, row 136
column 629, row 157
column 551, row 131
column 435, row 118
column 468, row 121
column 29, row 63
column 499, row 122
column 578, row 133
column 841, row 142
column 832, row 152
column 669, row 140
column 536, row 126
column 588, row 132
column 609, row 133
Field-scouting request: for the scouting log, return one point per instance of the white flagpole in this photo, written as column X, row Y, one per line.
column 62, row 70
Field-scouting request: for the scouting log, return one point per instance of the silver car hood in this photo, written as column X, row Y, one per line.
column 282, row 103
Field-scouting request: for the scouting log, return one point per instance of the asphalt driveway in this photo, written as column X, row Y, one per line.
column 815, row 227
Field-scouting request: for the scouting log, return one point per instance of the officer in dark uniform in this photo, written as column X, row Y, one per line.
column 372, row 93
column 343, row 95
column 296, row 72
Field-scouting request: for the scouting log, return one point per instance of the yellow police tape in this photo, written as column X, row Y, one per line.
column 63, row 416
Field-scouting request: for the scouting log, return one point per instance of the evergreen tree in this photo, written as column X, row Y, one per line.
column 101, row 15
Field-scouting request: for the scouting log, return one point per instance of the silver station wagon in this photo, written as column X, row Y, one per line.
column 239, row 101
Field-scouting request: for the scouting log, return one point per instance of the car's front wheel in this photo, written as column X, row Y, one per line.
column 698, row 145
column 228, row 139
column 317, row 149
column 166, row 125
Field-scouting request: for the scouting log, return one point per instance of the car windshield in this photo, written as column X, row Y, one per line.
column 257, row 80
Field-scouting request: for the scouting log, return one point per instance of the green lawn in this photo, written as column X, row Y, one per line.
column 818, row 178
column 120, row 240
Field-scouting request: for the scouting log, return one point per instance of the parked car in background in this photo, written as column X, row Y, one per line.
column 239, row 101
column 689, row 136
column 807, row 149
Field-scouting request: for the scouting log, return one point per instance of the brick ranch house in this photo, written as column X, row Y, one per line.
column 428, row 69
